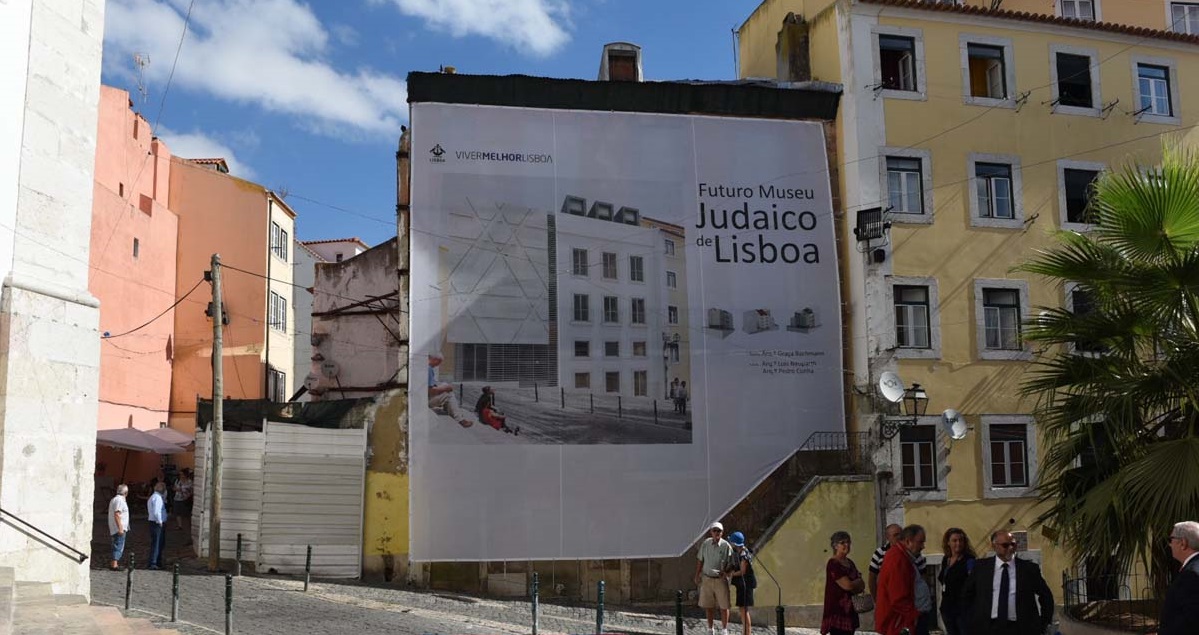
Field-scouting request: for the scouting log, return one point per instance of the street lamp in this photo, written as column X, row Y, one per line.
column 915, row 404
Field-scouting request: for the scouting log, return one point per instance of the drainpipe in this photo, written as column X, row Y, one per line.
column 266, row 367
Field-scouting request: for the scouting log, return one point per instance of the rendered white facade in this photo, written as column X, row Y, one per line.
column 304, row 278
column 50, row 55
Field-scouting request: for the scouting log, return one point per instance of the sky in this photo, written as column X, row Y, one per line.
column 308, row 98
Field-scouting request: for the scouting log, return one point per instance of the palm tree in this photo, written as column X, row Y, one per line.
column 1118, row 401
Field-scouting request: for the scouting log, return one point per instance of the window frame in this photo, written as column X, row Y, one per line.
column 1068, row 290
column 980, row 343
column 641, row 389
column 1062, row 199
column 637, row 269
column 276, row 385
column 926, row 182
column 608, row 375
column 672, row 315
column 1030, row 452
column 614, row 301
column 1009, row 70
column 279, row 238
column 940, row 493
column 672, row 280
column 1170, row 26
column 581, row 375
column 1017, row 184
column 634, row 313
column 1171, row 66
column 1092, row 55
column 609, row 258
column 277, row 312
column 579, row 268
column 1096, row 10
column 934, row 317
column 917, row 35
column 611, row 348
column 644, row 348
column 917, row 464
column 669, row 246
column 574, row 314
column 587, row 345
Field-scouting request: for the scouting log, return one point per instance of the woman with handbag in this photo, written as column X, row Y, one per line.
column 843, row 587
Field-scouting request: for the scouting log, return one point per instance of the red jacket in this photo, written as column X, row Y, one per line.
column 895, row 606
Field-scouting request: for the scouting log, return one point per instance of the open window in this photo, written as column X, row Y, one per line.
column 897, row 61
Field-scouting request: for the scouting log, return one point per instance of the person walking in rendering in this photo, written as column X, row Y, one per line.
column 1180, row 612
column 1005, row 595
column 118, row 524
column 441, row 395
column 741, row 573
column 711, row 575
column 842, row 581
column 680, row 399
column 156, row 514
column 904, row 600
column 955, row 568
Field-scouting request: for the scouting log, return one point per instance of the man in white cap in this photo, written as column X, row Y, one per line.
column 711, row 575
column 441, row 395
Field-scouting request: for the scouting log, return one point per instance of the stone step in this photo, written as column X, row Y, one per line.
column 36, row 610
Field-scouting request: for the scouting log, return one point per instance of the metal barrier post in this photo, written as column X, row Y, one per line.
column 619, row 407
column 655, row 411
column 562, row 395
column 781, row 622
column 678, row 613
column 175, row 594
column 129, row 581
column 307, row 568
column 237, row 562
column 461, row 391
column 228, row 604
column 536, row 591
column 591, row 396
column 536, row 396
column 599, row 609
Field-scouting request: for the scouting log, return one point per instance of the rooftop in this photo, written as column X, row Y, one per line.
column 352, row 239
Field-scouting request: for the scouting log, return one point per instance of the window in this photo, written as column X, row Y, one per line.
column 1081, row 302
column 609, row 265
column 1079, row 186
column 279, row 241
column 578, row 262
column 1001, row 318
column 583, row 380
column 612, row 382
column 582, row 348
column 897, row 62
column 1078, row 9
column 993, row 182
column 672, row 280
column 1184, row 17
column 1009, row 455
column 137, row 248
column 611, row 309
column 1153, row 83
column 640, row 383
column 669, row 247
column 340, row 256
column 672, row 315
column 917, row 445
column 582, row 312
column 905, row 185
column 276, row 385
column 611, row 349
column 912, row 317
column 639, row 349
column 638, row 311
column 636, row 269
column 673, row 354
column 1074, row 80
column 987, row 71
column 277, row 317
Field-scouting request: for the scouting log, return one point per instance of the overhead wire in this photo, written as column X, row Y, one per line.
column 155, row 318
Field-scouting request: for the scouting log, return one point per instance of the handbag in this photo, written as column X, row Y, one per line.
column 862, row 603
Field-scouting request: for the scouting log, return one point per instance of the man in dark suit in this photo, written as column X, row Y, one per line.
column 1005, row 595
column 1180, row 613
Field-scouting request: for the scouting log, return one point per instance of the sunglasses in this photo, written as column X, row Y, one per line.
column 718, row 531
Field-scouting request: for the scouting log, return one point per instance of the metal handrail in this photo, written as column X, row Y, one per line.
column 80, row 555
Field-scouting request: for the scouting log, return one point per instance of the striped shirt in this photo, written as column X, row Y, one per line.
column 876, row 561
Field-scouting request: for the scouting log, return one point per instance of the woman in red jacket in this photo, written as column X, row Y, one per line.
column 896, row 604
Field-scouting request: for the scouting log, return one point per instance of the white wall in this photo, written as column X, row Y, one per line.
column 303, row 275
column 49, row 340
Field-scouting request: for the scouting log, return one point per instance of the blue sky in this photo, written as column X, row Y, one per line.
column 308, row 98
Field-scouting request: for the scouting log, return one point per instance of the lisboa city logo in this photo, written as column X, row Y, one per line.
column 437, row 153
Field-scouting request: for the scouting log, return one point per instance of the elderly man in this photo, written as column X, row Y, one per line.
column 1180, row 613
column 118, row 524
column 903, row 600
column 441, row 395
column 711, row 575
column 876, row 561
column 156, row 514
column 1005, row 595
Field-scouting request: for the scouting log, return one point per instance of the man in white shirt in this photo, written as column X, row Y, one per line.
column 156, row 513
column 711, row 575
column 118, row 524
column 1006, row 595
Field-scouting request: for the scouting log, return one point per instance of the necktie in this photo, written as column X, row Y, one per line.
column 1005, row 589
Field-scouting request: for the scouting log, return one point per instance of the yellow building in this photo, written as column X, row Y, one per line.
column 977, row 127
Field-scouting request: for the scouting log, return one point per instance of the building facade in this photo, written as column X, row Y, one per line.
column 132, row 274
column 976, row 128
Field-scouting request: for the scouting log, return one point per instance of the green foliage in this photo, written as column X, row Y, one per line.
column 1118, row 404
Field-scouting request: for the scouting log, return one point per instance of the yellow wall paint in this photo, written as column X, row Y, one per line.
column 799, row 551
column 385, row 515
column 759, row 34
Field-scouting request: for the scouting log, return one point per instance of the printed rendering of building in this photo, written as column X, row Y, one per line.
column 674, row 313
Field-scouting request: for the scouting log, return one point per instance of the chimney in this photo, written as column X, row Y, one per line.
column 621, row 62
column 792, row 50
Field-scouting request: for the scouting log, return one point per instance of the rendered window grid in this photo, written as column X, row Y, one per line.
column 612, row 382
column 578, row 262
column 582, row 348
column 637, row 314
column 611, row 309
column 582, row 380
column 672, row 315
column 672, row 280
column 639, row 348
column 640, row 383
column 636, row 268
column 609, row 260
column 669, row 247
column 582, row 308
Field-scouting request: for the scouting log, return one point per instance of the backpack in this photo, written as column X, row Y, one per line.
column 749, row 580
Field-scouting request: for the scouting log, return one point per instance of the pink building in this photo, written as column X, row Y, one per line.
column 132, row 273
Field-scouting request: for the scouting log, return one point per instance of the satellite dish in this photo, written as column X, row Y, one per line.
column 329, row 368
column 955, row 424
column 891, row 386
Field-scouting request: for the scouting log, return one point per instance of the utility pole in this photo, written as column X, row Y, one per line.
column 218, row 415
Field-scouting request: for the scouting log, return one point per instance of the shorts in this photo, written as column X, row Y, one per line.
column 713, row 593
column 745, row 596
column 118, row 546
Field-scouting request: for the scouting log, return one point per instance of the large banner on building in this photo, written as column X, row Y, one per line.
column 621, row 323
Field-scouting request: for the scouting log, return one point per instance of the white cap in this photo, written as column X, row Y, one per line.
column 716, row 525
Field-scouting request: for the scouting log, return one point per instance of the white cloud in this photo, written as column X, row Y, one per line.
column 198, row 145
column 345, row 34
column 264, row 52
column 534, row 26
